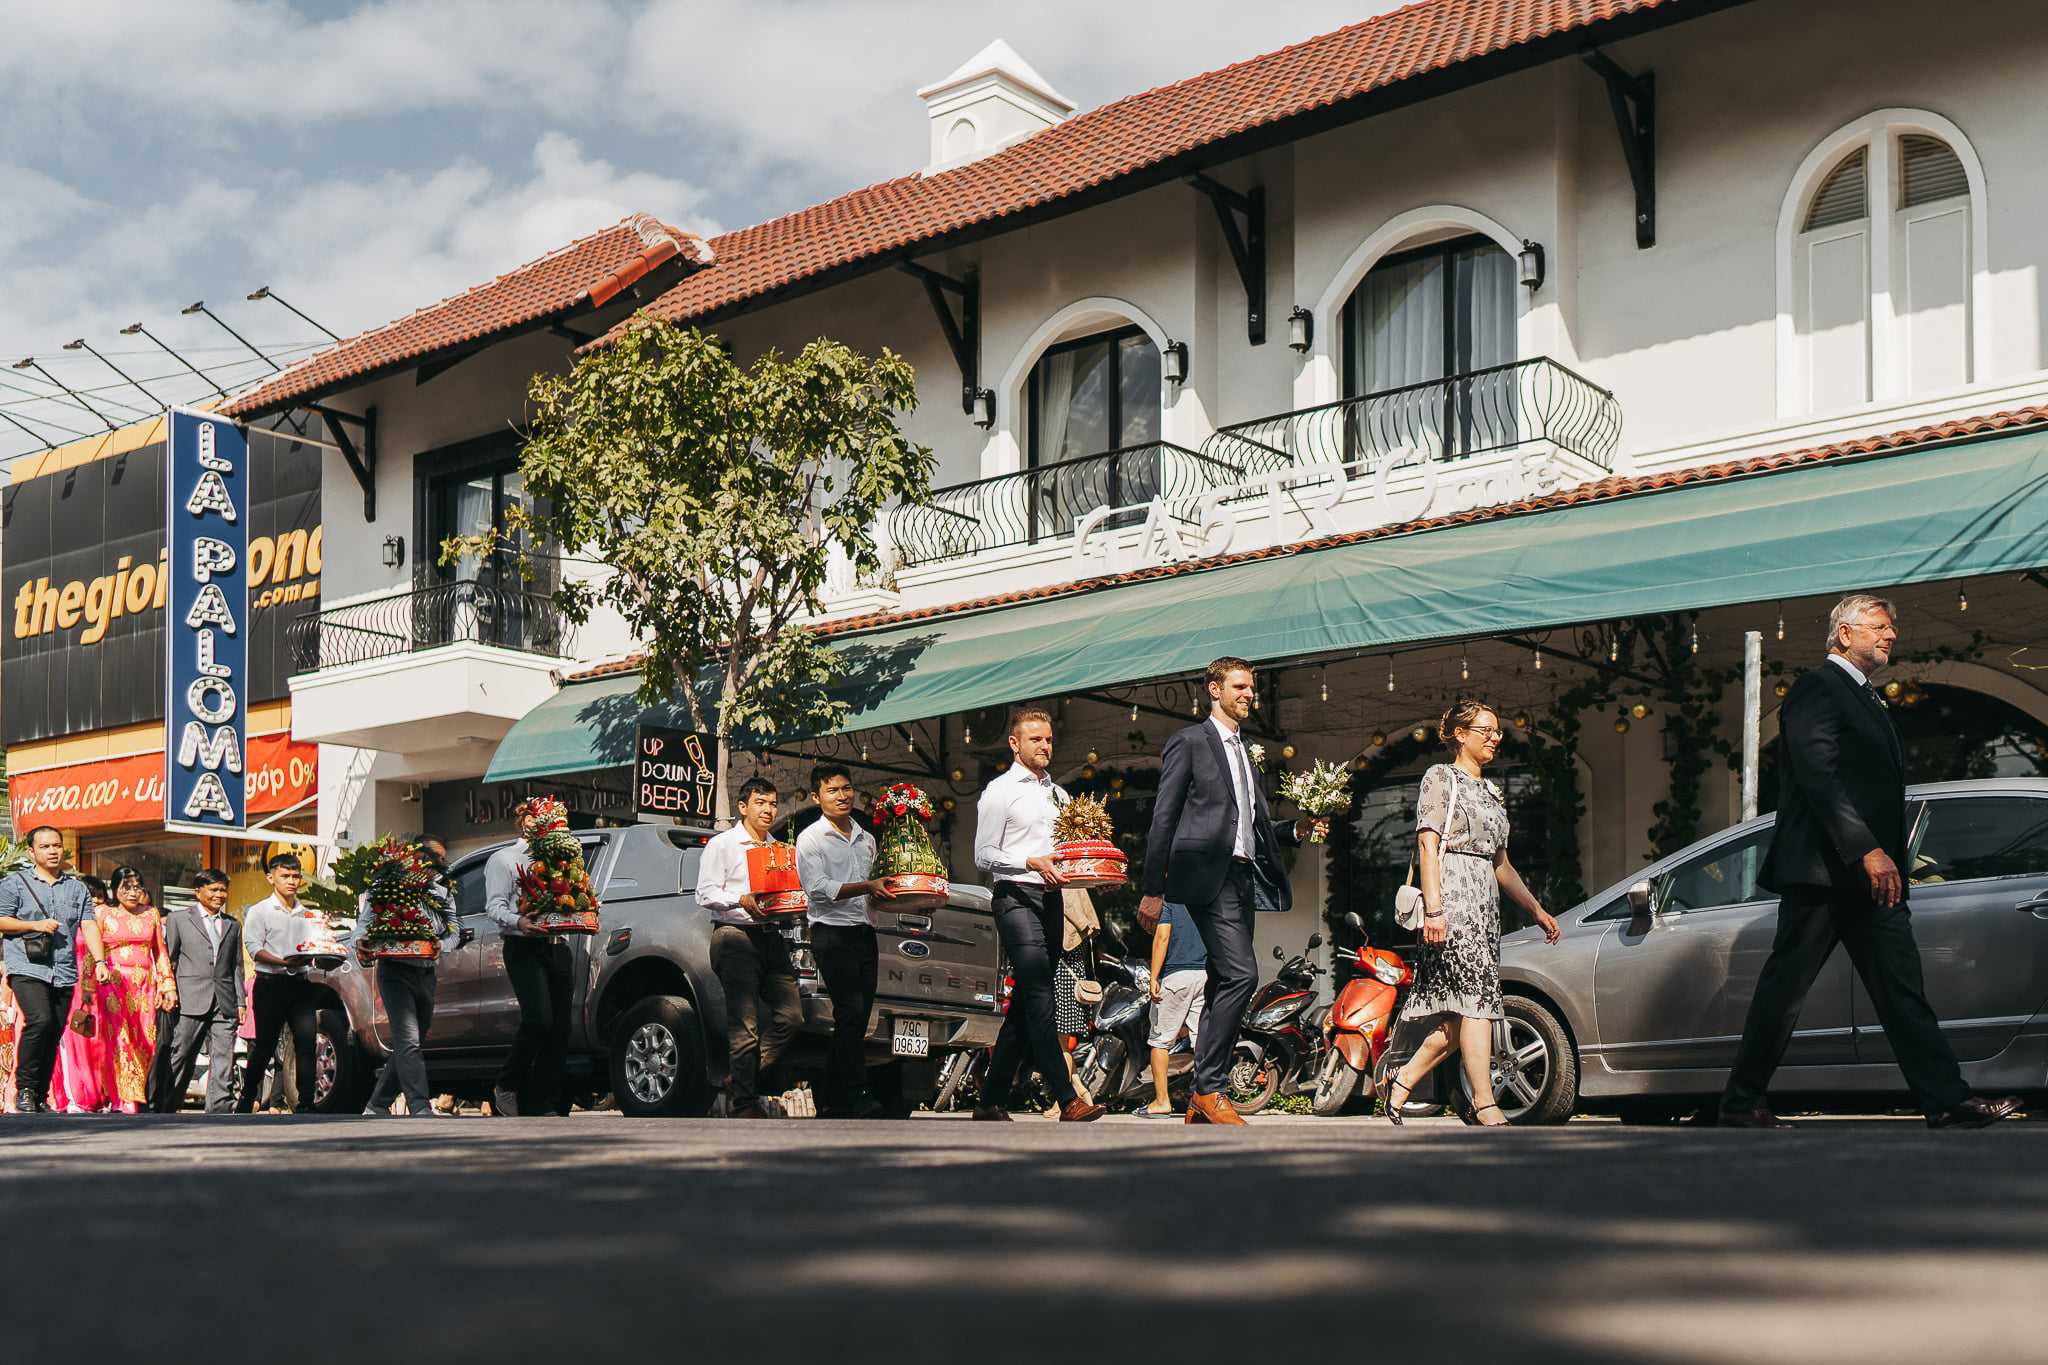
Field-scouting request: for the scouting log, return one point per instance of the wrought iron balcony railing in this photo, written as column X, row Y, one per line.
column 465, row 612
column 1442, row 419
column 1041, row 504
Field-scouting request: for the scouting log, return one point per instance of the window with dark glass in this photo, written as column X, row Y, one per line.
column 468, row 490
column 1098, row 397
column 1969, row 837
column 1424, row 336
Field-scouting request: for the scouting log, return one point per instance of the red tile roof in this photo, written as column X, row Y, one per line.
column 1389, row 59
column 1599, row 491
column 591, row 270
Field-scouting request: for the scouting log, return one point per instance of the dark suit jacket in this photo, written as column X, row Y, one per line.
column 1841, row 785
column 1194, row 823
column 206, row 981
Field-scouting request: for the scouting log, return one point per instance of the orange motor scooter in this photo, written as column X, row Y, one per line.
column 1360, row 1022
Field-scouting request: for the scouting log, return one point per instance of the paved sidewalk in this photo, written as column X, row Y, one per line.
column 603, row 1238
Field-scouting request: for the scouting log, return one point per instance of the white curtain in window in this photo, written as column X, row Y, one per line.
column 1400, row 326
column 1055, row 396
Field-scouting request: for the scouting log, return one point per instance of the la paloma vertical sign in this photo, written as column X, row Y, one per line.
column 206, row 630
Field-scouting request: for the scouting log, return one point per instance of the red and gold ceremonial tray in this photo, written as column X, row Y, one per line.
column 1085, row 863
column 771, row 903
column 915, row 891
column 567, row 921
column 398, row 949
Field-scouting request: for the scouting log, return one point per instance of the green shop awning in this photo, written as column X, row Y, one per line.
column 1953, row 512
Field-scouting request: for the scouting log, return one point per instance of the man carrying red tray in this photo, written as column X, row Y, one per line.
column 749, row 953
column 1013, row 844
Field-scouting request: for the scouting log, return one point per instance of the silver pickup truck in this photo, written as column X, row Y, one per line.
column 649, row 1016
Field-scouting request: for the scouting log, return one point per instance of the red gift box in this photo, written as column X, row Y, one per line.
column 772, row 869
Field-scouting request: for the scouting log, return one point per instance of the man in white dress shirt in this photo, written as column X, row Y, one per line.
column 833, row 859
column 750, row 955
column 283, row 996
column 1013, row 844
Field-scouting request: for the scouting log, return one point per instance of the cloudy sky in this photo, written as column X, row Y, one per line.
column 364, row 159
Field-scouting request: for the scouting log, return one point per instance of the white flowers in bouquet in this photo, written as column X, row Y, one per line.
column 1323, row 789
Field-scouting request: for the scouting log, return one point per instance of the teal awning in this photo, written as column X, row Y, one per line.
column 1954, row 512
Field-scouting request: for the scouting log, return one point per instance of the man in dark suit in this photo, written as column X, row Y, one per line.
column 1215, row 847
column 204, row 944
column 1835, row 860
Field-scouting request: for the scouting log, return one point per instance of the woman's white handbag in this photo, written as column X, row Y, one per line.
column 1408, row 903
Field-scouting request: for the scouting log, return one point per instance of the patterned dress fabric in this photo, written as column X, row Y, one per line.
column 1462, row 974
column 137, row 964
column 1070, row 1016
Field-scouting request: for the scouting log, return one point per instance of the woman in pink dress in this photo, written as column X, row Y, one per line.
column 133, row 933
column 77, row 1084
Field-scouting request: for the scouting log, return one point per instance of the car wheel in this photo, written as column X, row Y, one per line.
column 342, row 1073
column 657, row 1061
column 1335, row 1085
column 1535, row 1067
column 1251, row 1081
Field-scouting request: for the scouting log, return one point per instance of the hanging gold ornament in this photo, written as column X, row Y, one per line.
column 1621, row 726
column 1521, row 720
column 1639, row 710
column 1287, row 751
column 1419, row 734
column 1379, row 738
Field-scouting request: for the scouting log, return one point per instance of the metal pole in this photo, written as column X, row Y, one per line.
column 1752, row 716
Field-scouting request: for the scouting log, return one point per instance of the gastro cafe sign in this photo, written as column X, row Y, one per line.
column 206, row 634
column 1301, row 502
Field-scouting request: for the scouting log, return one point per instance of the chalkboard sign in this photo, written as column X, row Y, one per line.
column 673, row 773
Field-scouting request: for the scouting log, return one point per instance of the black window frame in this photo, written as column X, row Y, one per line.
column 1115, row 397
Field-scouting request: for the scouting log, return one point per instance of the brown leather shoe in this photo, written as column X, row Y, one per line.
column 1975, row 1112
column 1080, row 1111
column 992, row 1113
column 1213, row 1109
column 1750, row 1118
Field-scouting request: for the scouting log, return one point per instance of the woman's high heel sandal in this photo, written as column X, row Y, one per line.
column 1394, row 1108
column 1478, row 1123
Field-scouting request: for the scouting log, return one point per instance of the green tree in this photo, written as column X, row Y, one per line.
column 715, row 495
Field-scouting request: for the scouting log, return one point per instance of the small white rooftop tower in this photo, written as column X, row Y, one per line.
column 994, row 99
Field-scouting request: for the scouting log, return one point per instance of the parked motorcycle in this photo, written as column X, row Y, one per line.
column 1280, row 1048
column 1360, row 1023
column 1114, row 1062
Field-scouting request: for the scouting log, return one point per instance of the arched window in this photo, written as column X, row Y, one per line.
column 1880, row 269
column 960, row 140
column 1094, row 404
column 1416, row 326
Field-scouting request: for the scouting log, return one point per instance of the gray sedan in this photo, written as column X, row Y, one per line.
column 1638, row 1009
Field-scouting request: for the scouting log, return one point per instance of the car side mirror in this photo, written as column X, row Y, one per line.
column 1642, row 904
column 1278, row 954
column 1315, row 940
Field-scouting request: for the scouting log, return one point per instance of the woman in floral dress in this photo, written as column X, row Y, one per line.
column 133, row 933
column 1462, row 835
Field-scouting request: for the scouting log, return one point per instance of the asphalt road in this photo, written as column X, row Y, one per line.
column 603, row 1238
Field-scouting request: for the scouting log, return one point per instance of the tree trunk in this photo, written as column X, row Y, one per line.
column 721, row 804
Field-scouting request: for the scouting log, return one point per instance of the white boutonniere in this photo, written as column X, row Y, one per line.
column 1258, row 755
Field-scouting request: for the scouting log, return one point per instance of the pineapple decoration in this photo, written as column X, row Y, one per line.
column 905, row 861
column 403, row 919
column 1084, row 845
column 554, row 889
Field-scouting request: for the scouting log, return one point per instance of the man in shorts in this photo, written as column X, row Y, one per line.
column 1180, row 977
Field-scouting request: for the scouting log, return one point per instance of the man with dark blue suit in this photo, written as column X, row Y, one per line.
column 1215, row 847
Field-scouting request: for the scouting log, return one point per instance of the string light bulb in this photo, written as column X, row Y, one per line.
column 1695, row 637
column 1134, row 711
column 966, row 732
column 1464, row 666
column 1539, row 661
column 1781, row 620
column 863, row 751
column 911, row 740
column 1326, row 684
column 1390, row 675
column 1614, row 647
column 1962, row 598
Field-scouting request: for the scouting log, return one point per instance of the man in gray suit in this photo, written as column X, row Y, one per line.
column 205, row 947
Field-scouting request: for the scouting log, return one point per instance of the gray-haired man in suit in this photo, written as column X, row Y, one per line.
column 205, row 948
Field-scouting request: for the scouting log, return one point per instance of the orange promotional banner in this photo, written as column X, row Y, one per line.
column 281, row 772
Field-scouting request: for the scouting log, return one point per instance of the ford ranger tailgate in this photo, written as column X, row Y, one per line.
column 948, row 956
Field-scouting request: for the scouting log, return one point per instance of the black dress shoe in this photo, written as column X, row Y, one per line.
column 1751, row 1118
column 1974, row 1113
column 992, row 1113
column 25, row 1103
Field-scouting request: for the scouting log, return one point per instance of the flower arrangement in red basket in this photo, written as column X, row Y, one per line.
column 905, row 860
column 554, row 889
column 403, row 918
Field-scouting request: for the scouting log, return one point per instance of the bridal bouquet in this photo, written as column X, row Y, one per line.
column 1083, row 845
column 554, row 889
column 905, row 860
column 1324, row 789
